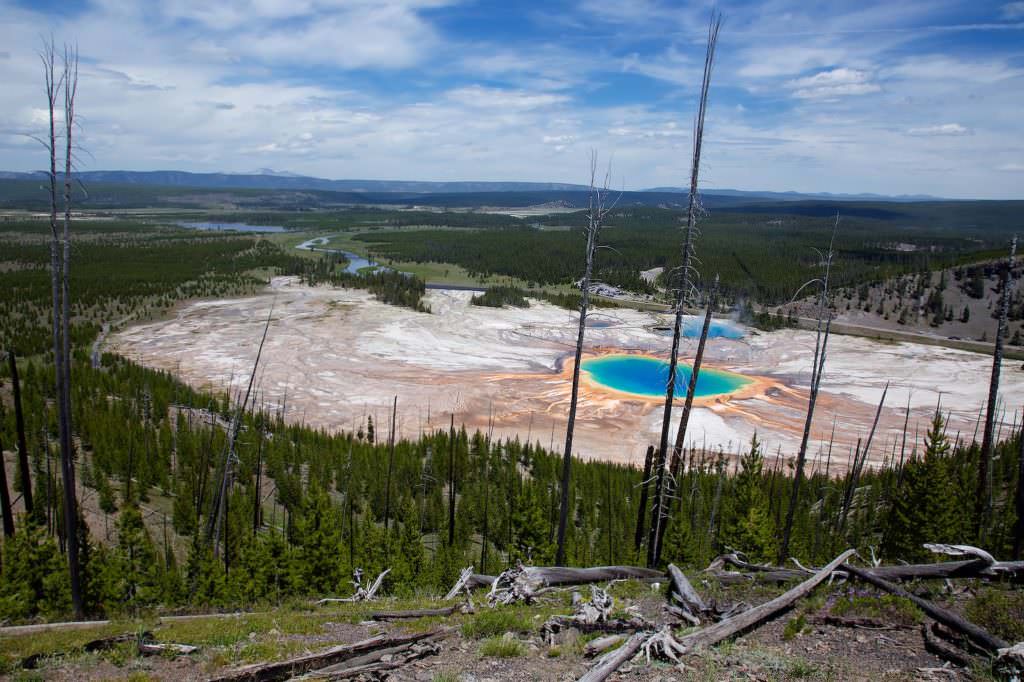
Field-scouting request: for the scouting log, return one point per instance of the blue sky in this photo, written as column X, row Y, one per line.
column 887, row 97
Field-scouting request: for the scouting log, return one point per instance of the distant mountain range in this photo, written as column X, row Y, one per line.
column 801, row 196
column 267, row 179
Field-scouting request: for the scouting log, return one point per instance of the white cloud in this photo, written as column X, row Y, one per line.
column 942, row 130
column 945, row 69
column 508, row 100
column 839, row 82
column 1011, row 168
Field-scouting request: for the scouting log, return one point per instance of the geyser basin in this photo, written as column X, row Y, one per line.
column 646, row 376
column 692, row 326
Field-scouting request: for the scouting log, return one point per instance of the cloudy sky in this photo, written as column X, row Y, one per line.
column 914, row 96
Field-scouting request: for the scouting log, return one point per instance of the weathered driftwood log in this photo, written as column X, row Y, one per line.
column 556, row 576
column 1010, row 662
column 523, row 583
column 469, row 581
column 981, row 564
column 712, row 634
column 415, row 613
column 782, row 575
column 601, row 644
column 370, row 666
column 611, row 661
column 979, row 636
column 553, row 576
column 758, row 614
column 283, row 670
column 682, row 591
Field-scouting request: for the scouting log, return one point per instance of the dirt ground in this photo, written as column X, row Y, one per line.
column 794, row 646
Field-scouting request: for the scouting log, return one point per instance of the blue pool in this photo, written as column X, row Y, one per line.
column 718, row 329
column 646, row 376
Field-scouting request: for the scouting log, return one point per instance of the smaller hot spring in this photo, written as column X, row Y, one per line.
column 718, row 329
column 646, row 376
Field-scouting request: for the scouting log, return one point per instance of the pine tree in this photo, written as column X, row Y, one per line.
column 748, row 527
column 137, row 560
column 926, row 509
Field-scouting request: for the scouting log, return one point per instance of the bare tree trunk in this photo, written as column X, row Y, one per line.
column 682, row 293
column 642, row 513
column 19, row 425
column 387, row 483
column 1018, row 533
column 451, row 482
column 58, row 259
column 983, row 498
column 817, row 366
column 5, row 498
column 691, row 389
column 595, row 219
column 67, row 446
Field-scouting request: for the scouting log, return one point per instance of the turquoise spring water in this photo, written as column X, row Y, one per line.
column 718, row 329
column 646, row 376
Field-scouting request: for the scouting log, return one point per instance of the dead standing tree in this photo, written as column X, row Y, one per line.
column 824, row 326
column 64, row 84
column 595, row 219
column 983, row 499
column 682, row 294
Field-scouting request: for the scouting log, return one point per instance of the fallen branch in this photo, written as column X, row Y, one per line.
column 758, row 614
column 283, row 670
column 156, row 649
column 601, row 644
column 611, row 661
column 682, row 591
column 362, row 592
column 712, row 634
column 990, row 642
column 415, row 613
column 468, row 581
column 378, row 662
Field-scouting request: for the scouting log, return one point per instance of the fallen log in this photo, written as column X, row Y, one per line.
column 283, row 670
column 468, row 581
column 968, row 568
column 1010, row 662
column 538, row 577
column 946, row 652
column 782, row 575
column 682, row 591
column 611, row 661
column 758, row 614
column 374, row 664
column 989, row 642
column 553, row 576
column 601, row 644
column 712, row 634
column 415, row 613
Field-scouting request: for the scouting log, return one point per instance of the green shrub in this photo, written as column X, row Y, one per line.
column 794, row 626
column 999, row 611
column 502, row 647
column 495, row 622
